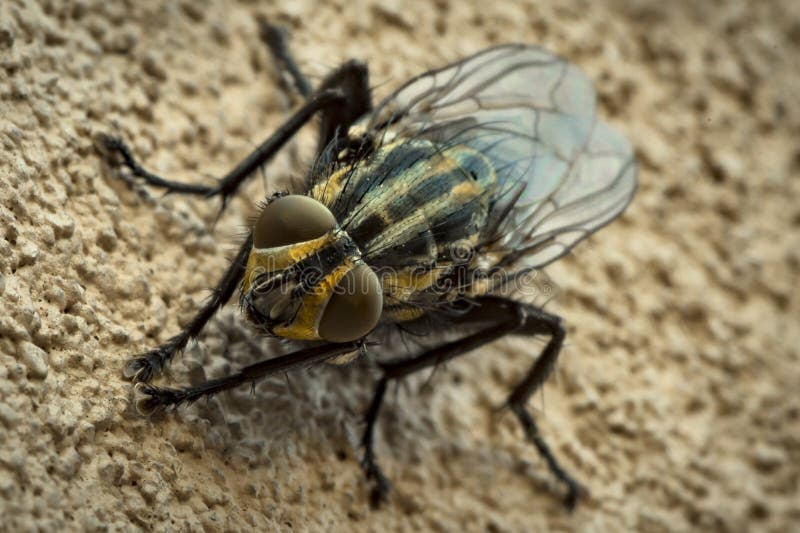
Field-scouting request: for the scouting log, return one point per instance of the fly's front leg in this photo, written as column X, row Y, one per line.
column 151, row 399
column 116, row 152
column 149, row 364
column 368, row 463
column 496, row 317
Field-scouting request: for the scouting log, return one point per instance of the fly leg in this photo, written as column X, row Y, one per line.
column 369, row 464
column 275, row 39
column 342, row 97
column 352, row 78
column 149, row 364
column 116, row 152
column 152, row 399
column 497, row 317
column 540, row 322
column 508, row 319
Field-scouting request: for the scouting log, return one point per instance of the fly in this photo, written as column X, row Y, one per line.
column 423, row 209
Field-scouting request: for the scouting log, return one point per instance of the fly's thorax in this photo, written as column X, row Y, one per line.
column 305, row 278
column 416, row 210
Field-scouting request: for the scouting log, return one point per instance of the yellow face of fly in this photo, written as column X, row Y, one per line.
column 305, row 278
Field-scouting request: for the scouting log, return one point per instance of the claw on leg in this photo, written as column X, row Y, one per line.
column 145, row 367
column 149, row 399
column 574, row 489
column 379, row 493
column 150, row 364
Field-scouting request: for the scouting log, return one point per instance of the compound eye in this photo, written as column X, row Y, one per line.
column 354, row 308
column 291, row 219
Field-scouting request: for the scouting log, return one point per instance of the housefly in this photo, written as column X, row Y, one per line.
column 422, row 209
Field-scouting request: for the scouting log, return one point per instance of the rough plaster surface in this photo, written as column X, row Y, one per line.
column 676, row 401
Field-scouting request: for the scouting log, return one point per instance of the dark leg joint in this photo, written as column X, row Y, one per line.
column 543, row 366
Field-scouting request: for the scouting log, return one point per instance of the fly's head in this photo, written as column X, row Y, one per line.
column 305, row 278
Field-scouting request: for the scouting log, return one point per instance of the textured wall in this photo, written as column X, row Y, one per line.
column 675, row 401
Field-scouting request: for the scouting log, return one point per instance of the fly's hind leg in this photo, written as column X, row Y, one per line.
column 540, row 322
column 495, row 318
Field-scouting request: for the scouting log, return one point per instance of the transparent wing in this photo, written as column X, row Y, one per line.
column 561, row 173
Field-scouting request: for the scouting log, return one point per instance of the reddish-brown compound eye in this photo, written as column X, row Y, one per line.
column 291, row 219
column 355, row 307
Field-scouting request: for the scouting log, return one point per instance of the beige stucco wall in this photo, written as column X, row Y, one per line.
column 675, row 401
